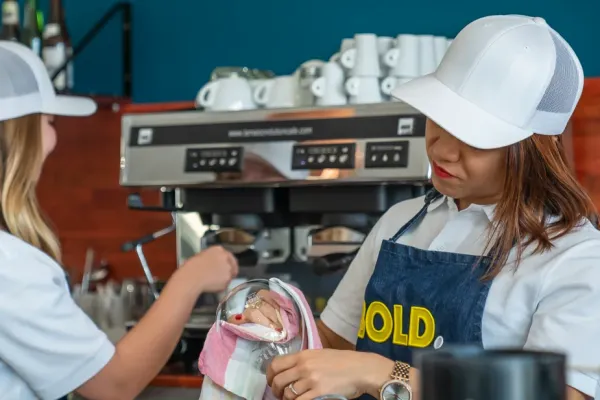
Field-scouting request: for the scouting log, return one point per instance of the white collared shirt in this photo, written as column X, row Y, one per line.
column 48, row 345
column 551, row 302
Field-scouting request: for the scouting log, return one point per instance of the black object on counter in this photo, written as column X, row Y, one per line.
column 473, row 373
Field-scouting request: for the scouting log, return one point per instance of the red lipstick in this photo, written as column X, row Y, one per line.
column 441, row 172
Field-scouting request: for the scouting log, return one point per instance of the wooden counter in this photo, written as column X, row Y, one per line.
column 185, row 381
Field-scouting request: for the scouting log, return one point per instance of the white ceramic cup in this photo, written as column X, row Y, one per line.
column 384, row 44
column 364, row 90
column 279, row 92
column 227, row 94
column 404, row 59
column 363, row 59
column 329, row 88
column 427, row 55
column 390, row 83
column 345, row 45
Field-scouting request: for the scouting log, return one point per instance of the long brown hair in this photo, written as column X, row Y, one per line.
column 542, row 201
column 21, row 161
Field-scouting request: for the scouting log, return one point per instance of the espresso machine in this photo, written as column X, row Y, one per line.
column 291, row 192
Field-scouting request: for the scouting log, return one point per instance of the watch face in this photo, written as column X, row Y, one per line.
column 396, row 391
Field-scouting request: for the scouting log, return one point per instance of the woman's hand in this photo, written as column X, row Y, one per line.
column 313, row 373
column 211, row 270
column 261, row 309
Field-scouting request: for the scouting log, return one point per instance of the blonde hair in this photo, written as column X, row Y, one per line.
column 21, row 160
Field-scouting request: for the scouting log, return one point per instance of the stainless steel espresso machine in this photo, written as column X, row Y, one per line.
column 291, row 192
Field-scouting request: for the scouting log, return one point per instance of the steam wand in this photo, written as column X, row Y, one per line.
column 137, row 245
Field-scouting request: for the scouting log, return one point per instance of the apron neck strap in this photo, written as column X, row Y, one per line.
column 430, row 197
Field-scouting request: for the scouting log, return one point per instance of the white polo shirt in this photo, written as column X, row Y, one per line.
column 551, row 302
column 48, row 345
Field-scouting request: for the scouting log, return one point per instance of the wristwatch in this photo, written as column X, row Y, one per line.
column 398, row 387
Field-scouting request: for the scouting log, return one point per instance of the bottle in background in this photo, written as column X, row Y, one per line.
column 56, row 47
column 68, row 46
column 10, row 21
column 32, row 29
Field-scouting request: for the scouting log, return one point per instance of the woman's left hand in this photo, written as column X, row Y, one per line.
column 314, row 373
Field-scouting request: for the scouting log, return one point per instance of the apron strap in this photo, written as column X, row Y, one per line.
column 430, row 197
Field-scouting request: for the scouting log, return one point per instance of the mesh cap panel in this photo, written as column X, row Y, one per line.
column 25, row 87
column 16, row 75
column 561, row 95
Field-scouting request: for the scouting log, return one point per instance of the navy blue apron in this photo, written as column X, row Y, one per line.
column 421, row 299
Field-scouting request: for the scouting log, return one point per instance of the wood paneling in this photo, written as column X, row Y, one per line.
column 81, row 194
column 586, row 139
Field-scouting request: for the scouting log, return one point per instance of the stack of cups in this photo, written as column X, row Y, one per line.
column 363, row 63
column 412, row 56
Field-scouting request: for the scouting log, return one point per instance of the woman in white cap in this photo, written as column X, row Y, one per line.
column 505, row 201
column 48, row 346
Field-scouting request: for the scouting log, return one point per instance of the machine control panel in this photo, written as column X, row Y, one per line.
column 215, row 159
column 320, row 156
column 390, row 154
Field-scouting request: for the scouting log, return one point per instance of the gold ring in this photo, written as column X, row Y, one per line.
column 291, row 387
column 254, row 302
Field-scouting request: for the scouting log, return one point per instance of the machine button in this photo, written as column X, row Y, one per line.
column 222, row 161
column 384, row 158
column 234, row 153
column 195, row 165
column 336, row 155
column 203, row 162
column 232, row 161
column 374, row 157
column 212, row 162
column 193, row 154
column 396, row 157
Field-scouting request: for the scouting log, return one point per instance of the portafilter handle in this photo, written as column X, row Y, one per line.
column 332, row 263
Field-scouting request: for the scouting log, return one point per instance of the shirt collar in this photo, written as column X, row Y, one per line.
column 488, row 209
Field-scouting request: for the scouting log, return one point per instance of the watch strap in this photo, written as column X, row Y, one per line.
column 401, row 372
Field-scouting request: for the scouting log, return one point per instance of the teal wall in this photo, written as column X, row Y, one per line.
column 178, row 42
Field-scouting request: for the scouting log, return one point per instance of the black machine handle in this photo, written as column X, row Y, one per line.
column 134, row 202
column 332, row 263
column 132, row 244
column 247, row 258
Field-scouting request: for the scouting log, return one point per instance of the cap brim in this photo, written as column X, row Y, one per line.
column 461, row 118
column 71, row 106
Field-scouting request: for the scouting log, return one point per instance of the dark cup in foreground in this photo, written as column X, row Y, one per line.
column 472, row 373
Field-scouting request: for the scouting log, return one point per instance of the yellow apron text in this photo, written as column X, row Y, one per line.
column 421, row 326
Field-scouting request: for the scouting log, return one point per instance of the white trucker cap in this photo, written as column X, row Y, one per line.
column 502, row 79
column 25, row 87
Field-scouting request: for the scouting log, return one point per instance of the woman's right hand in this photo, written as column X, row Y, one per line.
column 212, row 269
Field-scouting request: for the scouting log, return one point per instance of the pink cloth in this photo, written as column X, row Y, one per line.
column 225, row 355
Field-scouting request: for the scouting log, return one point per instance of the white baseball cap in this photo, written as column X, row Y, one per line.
column 502, row 79
column 25, row 87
